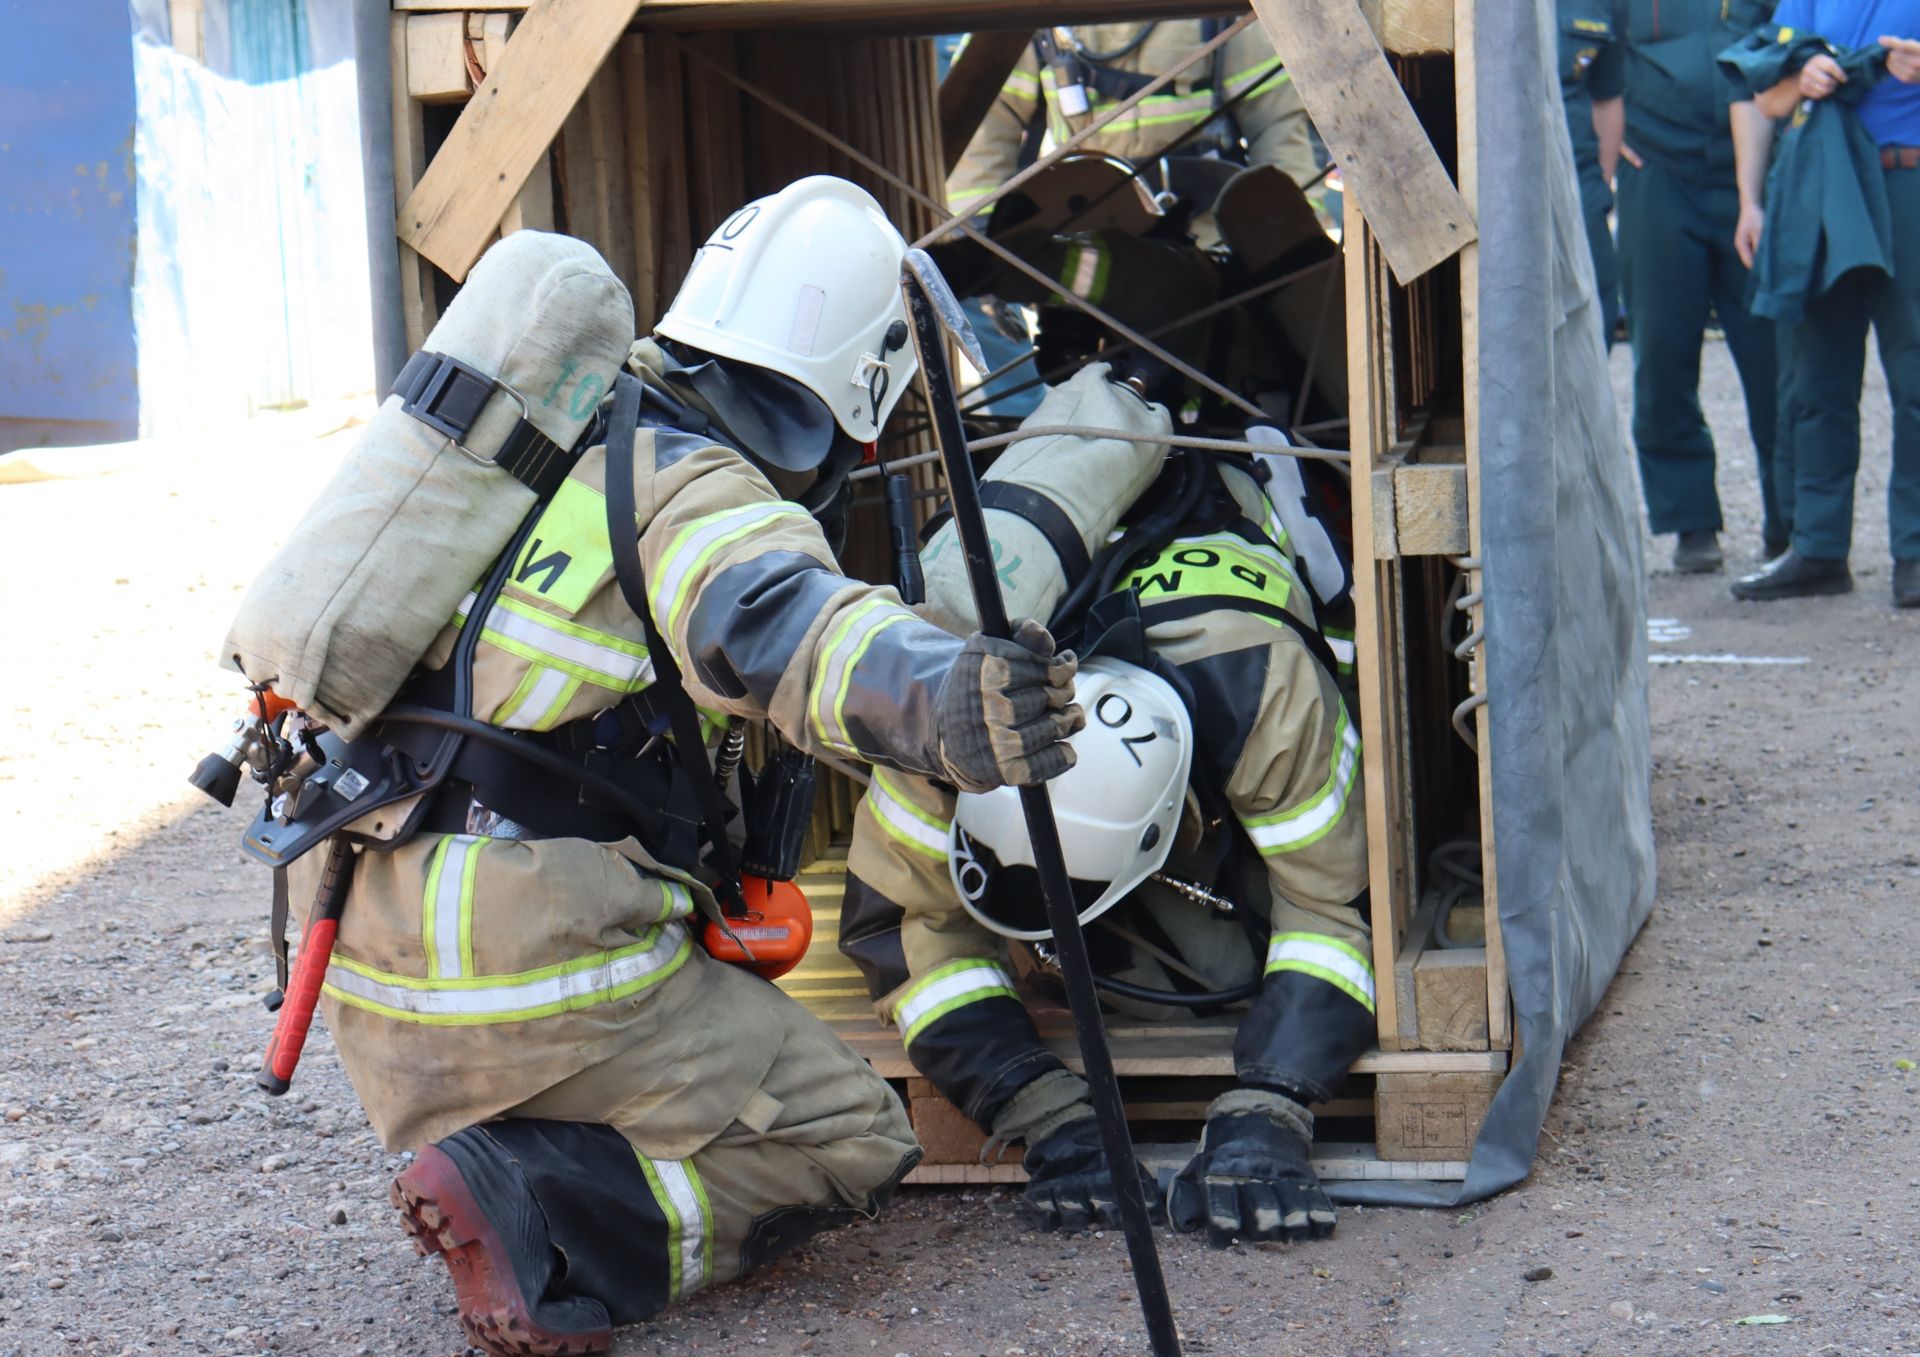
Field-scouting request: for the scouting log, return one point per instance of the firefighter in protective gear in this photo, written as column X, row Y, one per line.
column 1205, row 581
column 1111, row 62
column 605, row 1118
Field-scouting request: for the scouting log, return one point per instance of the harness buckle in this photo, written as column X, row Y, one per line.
column 448, row 395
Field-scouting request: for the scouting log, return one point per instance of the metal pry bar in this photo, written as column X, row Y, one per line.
column 936, row 315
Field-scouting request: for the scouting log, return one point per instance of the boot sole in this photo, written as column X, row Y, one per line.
column 1828, row 590
column 441, row 1216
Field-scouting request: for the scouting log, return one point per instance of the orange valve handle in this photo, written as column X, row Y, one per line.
column 309, row 971
column 270, row 704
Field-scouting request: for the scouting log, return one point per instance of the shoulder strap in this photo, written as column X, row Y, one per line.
column 667, row 687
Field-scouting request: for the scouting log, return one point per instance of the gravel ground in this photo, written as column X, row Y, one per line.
column 1734, row 1134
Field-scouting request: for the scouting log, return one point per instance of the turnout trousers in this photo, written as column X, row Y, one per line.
column 1677, row 265
column 1830, row 343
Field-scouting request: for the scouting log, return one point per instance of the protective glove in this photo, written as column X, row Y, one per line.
column 1068, row 1185
column 1251, row 1179
column 1005, row 711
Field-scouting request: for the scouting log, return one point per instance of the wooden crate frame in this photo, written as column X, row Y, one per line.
column 645, row 200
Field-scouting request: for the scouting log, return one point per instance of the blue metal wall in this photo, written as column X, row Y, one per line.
column 67, row 357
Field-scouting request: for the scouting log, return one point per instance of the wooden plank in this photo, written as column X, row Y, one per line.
column 1411, row 28
column 532, row 207
column 1387, row 164
column 512, row 118
column 1429, row 510
column 418, row 309
column 437, row 59
column 185, row 25
column 973, row 82
column 1405, row 1035
column 1450, row 998
column 1430, row 1116
column 1465, row 90
column 599, row 208
column 634, row 88
column 1333, row 1163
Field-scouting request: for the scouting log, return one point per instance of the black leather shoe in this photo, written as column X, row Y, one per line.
column 1697, row 553
column 1794, row 576
column 1772, row 548
column 1906, row 584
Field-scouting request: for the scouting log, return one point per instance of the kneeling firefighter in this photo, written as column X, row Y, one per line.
column 606, row 1118
column 1212, row 822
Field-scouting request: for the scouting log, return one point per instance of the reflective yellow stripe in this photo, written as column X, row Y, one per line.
column 698, row 543
column 466, row 1001
column 683, row 1201
column 1312, row 820
column 597, row 657
column 952, row 986
column 904, row 821
column 1331, row 959
column 833, row 676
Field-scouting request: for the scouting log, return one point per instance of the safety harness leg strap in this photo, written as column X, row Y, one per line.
column 668, row 689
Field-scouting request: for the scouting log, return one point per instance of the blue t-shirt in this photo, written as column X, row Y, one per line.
column 1891, row 112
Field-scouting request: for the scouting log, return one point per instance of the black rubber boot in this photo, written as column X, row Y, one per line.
column 1906, row 584
column 1794, row 576
column 467, row 1200
column 1697, row 553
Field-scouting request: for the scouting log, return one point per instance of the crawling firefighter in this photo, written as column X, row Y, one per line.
column 1212, row 821
column 606, row 1119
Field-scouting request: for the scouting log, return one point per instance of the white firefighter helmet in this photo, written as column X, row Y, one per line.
column 806, row 283
column 1118, row 807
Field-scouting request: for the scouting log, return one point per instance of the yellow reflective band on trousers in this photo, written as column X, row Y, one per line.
column 683, row 1201
column 954, row 985
column 698, row 543
column 905, row 822
column 1340, row 642
column 1085, row 271
column 1177, row 111
column 833, row 676
column 1290, row 830
column 597, row 657
column 1333, row 960
column 472, row 1000
column 446, row 906
column 1218, row 565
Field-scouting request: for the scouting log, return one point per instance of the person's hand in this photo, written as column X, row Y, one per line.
column 1631, row 156
column 1820, row 77
column 1068, row 1185
column 1903, row 59
column 1252, row 1179
column 1005, row 711
column 1746, row 234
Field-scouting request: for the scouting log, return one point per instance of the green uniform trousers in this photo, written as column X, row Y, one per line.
column 1830, row 352
column 1677, row 264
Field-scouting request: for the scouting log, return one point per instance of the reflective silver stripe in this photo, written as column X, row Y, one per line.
column 695, row 543
column 906, row 821
column 1304, row 825
column 450, row 904
column 1329, row 959
column 544, row 692
column 845, row 649
column 690, row 1237
column 509, row 999
column 1342, row 649
column 946, row 989
column 611, row 668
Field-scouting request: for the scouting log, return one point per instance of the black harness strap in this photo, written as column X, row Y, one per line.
column 1047, row 518
column 667, row 686
column 447, row 395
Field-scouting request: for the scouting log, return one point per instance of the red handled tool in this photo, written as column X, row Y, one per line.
column 309, row 971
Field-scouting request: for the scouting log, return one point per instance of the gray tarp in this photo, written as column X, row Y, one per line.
column 1566, row 647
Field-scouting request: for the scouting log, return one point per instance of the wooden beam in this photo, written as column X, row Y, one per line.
column 418, row 311
column 973, row 82
column 1387, row 164
column 1411, row 28
column 511, row 120
column 437, row 59
column 1429, row 510
column 1431, row 1116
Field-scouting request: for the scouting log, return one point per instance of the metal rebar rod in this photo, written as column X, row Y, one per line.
column 1172, row 440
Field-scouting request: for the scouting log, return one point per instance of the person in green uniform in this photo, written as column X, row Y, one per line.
column 1678, row 207
column 1592, row 80
column 1830, row 338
